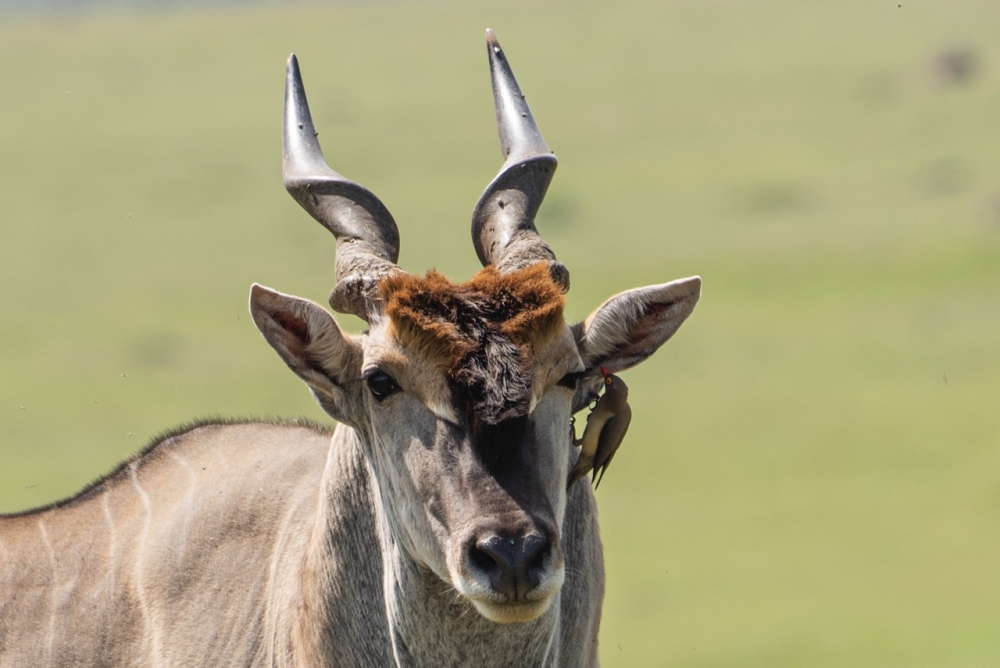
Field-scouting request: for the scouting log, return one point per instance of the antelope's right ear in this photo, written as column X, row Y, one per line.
column 632, row 325
column 308, row 339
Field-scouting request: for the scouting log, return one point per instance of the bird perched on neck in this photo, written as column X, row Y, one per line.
column 606, row 427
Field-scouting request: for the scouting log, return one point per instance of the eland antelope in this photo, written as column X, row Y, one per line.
column 432, row 527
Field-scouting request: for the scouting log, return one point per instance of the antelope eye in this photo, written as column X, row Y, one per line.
column 380, row 383
column 570, row 380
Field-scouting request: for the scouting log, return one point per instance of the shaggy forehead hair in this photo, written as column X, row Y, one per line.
column 483, row 333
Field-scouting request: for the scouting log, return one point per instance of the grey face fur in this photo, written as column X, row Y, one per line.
column 477, row 500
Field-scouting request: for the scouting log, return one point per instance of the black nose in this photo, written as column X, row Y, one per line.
column 513, row 565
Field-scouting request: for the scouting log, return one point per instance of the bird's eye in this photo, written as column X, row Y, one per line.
column 380, row 383
column 570, row 380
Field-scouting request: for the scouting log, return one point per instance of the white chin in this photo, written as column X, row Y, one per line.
column 506, row 613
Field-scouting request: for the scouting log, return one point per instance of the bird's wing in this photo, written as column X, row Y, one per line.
column 611, row 437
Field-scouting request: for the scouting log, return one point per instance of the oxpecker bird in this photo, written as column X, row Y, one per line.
column 606, row 427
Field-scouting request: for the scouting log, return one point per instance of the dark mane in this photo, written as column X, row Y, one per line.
column 95, row 487
column 482, row 333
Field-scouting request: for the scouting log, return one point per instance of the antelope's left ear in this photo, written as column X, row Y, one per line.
column 312, row 345
column 632, row 325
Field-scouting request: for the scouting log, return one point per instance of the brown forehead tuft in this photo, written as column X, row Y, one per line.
column 482, row 332
column 525, row 305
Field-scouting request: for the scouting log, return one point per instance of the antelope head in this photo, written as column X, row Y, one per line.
column 461, row 393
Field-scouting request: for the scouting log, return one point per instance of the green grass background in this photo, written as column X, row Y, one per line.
column 812, row 477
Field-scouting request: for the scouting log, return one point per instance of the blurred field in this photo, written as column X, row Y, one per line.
column 812, row 477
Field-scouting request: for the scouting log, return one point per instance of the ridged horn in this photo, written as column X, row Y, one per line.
column 367, row 236
column 503, row 222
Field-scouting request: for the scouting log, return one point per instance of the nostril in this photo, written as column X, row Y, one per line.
column 536, row 561
column 483, row 560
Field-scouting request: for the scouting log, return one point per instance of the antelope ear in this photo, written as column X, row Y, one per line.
column 306, row 337
column 632, row 325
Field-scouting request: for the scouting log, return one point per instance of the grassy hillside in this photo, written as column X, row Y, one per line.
column 812, row 474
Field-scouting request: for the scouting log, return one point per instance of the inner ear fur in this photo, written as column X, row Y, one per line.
column 632, row 325
column 308, row 339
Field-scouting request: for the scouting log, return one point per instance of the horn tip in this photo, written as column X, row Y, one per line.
column 293, row 62
column 492, row 43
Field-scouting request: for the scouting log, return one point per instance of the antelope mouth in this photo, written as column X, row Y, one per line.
column 512, row 613
column 506, row 609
